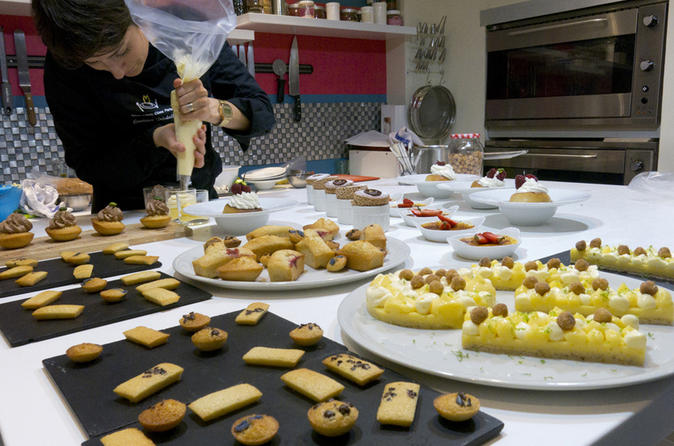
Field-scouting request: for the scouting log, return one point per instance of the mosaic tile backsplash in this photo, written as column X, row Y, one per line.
column 320, row 135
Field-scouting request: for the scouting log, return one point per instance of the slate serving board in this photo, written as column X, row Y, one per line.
column 19, row 326
column 100, row 411
column 565, row 257
column 61, row 273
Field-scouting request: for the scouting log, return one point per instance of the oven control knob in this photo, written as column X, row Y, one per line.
column 637, row 165
column 646, row 65
column 650, row 21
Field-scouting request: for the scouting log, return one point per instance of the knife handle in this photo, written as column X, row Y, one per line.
column 30, row 108
column 7, row 97
column 281, row 85
column 297, row 109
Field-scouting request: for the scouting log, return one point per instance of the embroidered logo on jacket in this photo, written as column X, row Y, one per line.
column 147, row 104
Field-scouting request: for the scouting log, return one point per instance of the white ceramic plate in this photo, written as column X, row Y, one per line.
column 528, row 214
column 411, row 220
column 464, row 189
column 266, row 173
column 430, row 188
column 398, row 252
column 241, row 223
column 439, row 352
column 477, row 252
column 436, row 235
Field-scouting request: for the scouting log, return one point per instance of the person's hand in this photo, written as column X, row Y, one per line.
column 195, row 103
column 165, row 136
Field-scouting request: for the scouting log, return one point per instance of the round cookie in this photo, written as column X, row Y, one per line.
column 307, row 334
column 113, row 294
column 84, row 352
column 457, row 406
column 337, row 263
column 209, row 339
column 332, row 418
column 194, row 321
column 255, row 429
column 163, row 416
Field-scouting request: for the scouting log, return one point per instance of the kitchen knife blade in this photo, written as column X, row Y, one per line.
column 5, row 87
column 24, row 76
column 251, row 59
column 280, row 70
column 294, row 80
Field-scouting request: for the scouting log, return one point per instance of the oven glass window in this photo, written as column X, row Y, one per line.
column 588, row 67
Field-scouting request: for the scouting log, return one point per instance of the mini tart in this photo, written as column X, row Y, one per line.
column 332, row 418
column 64, row 234
column 156, row 221
column 457, row 406
column 650, row 261
column 192, row 321
column 209, row 339
column 307, row 334
column 254, row 429
column 107, row 227
column 163, row 416
column 17, row 240
column 530, row 197
column 436, row 177
column 85, row 352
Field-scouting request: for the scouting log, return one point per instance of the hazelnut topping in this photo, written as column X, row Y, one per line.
column 458, row 283
column 582, row 265
column 623, row 249
column 542, row 288
column 417, row 282
column 450, row 274
column 581, row 245
column 499, row 309
column 577, row 288
column 431, row 278
column 440, row 272
column 664, row 253
column 554, row 263
column 508, row 262
column 425, row 271
column 531, row 266
column 595, row 243
column 566, row 321
column 478, row 315
column 436, row 287
column 648, row 287
column 602, row 315
column 485, row 261
column 600, row 283
column 530, row 282
column 406, row 274
column 640, row 251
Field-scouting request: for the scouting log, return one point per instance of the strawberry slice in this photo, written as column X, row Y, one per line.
column 407, row 203
column 480, row 239
column 426, row 212
column 445, row 226
column 447, row 220
column 491, row 237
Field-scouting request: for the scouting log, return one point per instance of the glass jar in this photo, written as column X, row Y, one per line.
column 349, row 15
column 392, row 5
column 294, row 9
column 393, row 17
column 320, row 12
column 255, row 6
column 466, row 153
column 268, row 9
column 307, row 9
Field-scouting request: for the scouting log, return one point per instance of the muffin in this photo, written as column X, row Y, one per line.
column 108, row 221
column 243, row 202
column 332, row 418
column 530, row 191
column 163, row 416
column 15, row 232
column 371, row 206
column 157, row 214
column 63, row 227
column 209, row 339
column 441, row 171
column 255, row 429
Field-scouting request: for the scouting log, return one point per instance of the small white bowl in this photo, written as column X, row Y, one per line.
column 395, row 211
column 471, row 252
column 411, row 220
column 368, row 215
column 436, row 235
column 263, row 184
column 464, row 188
column 430, row 188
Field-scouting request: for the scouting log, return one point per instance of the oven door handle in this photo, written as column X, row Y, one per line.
column 598, row 20
column 562, row 155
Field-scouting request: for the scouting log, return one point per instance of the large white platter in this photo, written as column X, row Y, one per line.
column 439, row 352
column 398, row 252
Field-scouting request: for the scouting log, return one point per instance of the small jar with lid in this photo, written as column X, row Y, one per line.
column 306, row 9
column 466, row 153
column 393, row 17
column 320, row 12
column 349, row 15
column 256, row 6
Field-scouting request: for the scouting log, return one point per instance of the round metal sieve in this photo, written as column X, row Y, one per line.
column 431, row 113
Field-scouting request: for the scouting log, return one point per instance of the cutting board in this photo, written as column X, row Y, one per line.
column 100, row 411
column 90, row 240
column 356, row 178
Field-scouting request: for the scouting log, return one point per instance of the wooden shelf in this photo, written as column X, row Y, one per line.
column 281, row 24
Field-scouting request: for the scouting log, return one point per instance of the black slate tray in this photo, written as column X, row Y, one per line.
column 565, row 257
column 100, row 411
column 19, row 326
column 61, row 273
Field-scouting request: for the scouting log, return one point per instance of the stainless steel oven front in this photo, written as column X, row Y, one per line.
column 597, row 68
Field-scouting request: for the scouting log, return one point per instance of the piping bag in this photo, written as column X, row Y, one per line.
column 192, row 38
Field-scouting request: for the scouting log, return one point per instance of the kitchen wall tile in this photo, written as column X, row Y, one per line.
column 319, row 135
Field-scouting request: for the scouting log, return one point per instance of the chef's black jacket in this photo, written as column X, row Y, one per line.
column 106, row 124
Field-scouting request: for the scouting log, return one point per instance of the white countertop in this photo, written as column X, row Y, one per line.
column 33, row 411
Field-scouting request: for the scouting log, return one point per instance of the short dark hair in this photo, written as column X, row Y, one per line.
column 75, row 30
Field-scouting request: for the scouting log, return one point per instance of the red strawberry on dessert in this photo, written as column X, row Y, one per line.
column 440, row 163
column 501, row 174
column 519, row 181
column 491, row 173
column 531, row 176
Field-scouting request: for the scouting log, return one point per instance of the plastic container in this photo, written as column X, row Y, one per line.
column 349, row 15
column 466, row 153
column 393, row 17
column 10, row 196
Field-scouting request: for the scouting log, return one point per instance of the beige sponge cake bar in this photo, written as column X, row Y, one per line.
column 252, row 314
column 58, row 312
column 127, row 437
column 398, row 403
column 141, row 277
column 352, row 368
column 83, row 271
column 16, row 271
column 168, row 283
column 129, row 252
column 41, row 299
column 160, row 296
column 224, row 401
column 146, row 336
column 312, row 384
column 31, row 279
column 141, row 260
column 150, row 381
column 275, row 357
column 115, row 247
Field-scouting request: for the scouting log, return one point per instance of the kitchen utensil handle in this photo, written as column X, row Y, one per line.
column 30, row 108
column 7, row 97
column 297, row 109
column 281, row 85
column 562, row 155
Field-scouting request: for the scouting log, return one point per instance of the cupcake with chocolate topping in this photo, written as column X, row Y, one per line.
column 331, row 194
column 108, row 221
column 15, row 232
column 63, row 226
column 157, row 215
column 370, row 206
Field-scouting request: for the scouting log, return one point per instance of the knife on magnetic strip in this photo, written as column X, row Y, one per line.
column 294, row 80
column 24, row 76
column 5, row 87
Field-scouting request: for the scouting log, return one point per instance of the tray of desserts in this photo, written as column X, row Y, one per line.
column 542, row 326
column 220, row 388
column 97, row 302
column 26, row 275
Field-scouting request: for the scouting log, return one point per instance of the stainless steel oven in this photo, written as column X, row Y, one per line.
column 598, row 68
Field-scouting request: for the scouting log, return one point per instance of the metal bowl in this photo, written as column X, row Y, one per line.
column 76, row 202
column 298, row 178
